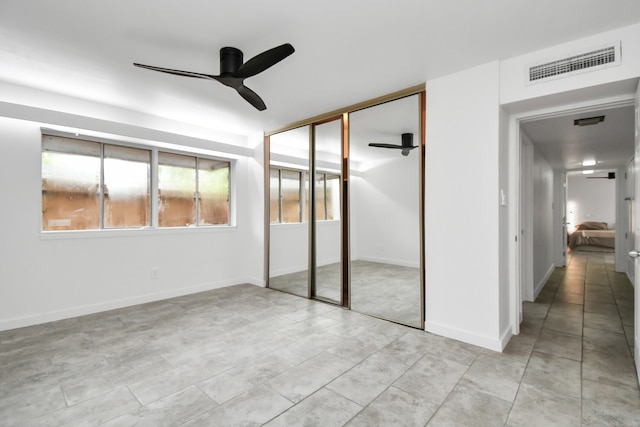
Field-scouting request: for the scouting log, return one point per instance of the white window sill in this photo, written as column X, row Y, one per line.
column 134, row 232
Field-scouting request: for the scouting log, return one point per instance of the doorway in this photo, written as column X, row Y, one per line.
column 562, row 156
column 594, row 283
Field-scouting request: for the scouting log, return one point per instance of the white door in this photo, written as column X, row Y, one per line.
column 561, row 202
column 636, row 233
column 631, row 209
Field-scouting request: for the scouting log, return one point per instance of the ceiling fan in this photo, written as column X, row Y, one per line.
column 233, row 71
column 406, row 147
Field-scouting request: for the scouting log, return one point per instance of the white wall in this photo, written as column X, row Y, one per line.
column 385, row 212
column 591, row 199
column 543, row 216
column 289, row 248
column 462, row 206
column 512, row 70
column 506, row 239
column 49, row 278
column 524, row 101
column 328, row 243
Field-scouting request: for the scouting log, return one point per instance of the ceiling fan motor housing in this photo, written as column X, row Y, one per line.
column 407, row 140
column 231, row 59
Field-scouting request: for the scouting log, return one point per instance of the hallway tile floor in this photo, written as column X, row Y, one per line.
column 249, row 356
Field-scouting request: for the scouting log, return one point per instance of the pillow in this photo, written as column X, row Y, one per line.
column 592, row 225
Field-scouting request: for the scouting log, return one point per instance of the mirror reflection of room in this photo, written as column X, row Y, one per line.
column 289, row 227
column 385, row 211
column 328, row 157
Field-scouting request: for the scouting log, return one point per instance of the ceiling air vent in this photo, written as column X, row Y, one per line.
column 595, row 59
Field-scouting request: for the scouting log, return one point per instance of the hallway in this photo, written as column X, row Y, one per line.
column 582, row 358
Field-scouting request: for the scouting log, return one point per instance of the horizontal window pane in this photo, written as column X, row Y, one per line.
column 70, row 191
column 176, row 190
column 213, row 189
column 126, row 187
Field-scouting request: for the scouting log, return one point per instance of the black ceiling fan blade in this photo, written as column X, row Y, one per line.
column 176, row 72
column 381, row 145
column 251, row 97
column 610, row 175
column 266, row 59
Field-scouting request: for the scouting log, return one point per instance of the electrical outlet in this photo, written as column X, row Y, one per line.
column 154, row 273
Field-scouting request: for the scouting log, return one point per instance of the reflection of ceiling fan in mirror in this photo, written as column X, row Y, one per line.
column 610, row 175
column 233, row 71
column 406, row 147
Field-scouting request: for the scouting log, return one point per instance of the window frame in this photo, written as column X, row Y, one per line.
column 153, row 226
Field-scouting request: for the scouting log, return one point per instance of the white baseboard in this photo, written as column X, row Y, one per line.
column 540, row 285
column 401, row 263
column 288, row 270
column 495, row 344
column 51, row 316
column 322, row 263
column 256, row 281
column 505, row 337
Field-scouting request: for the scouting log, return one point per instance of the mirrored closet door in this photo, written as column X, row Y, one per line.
column 288, row 224
column 385, row 174
column 345, row 216
column 327, row 224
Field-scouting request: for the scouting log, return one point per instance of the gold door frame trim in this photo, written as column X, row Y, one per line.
column 423, row 148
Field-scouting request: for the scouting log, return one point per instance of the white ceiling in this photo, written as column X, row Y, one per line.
column 565, row 146
column 346, row 51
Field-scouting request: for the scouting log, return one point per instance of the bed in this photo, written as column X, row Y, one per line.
column 592, row 233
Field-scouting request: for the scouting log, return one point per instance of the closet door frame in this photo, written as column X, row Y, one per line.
column 343, row 115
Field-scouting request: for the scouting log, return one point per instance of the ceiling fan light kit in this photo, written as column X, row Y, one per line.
column 233, row 71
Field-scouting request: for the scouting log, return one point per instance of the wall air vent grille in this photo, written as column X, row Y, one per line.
column 588, row 61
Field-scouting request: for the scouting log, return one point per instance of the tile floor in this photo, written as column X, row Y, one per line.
column 248, row 356
column 383, row 290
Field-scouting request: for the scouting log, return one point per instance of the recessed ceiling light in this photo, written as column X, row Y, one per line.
column 588, row 172
column 587, row 121
column 588, row 163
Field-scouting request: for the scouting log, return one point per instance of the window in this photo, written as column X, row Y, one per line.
column 290, row 196
column 274, row 195
column 289, row 200
column 192, row 190
column 213, row 192
column 285, row 195
column 332, row 197
column 327, row 197
column 126, row 187
column 176, row 190
column 88, row 185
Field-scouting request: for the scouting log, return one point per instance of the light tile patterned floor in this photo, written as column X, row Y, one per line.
column 247, row 356
column 382, row 290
